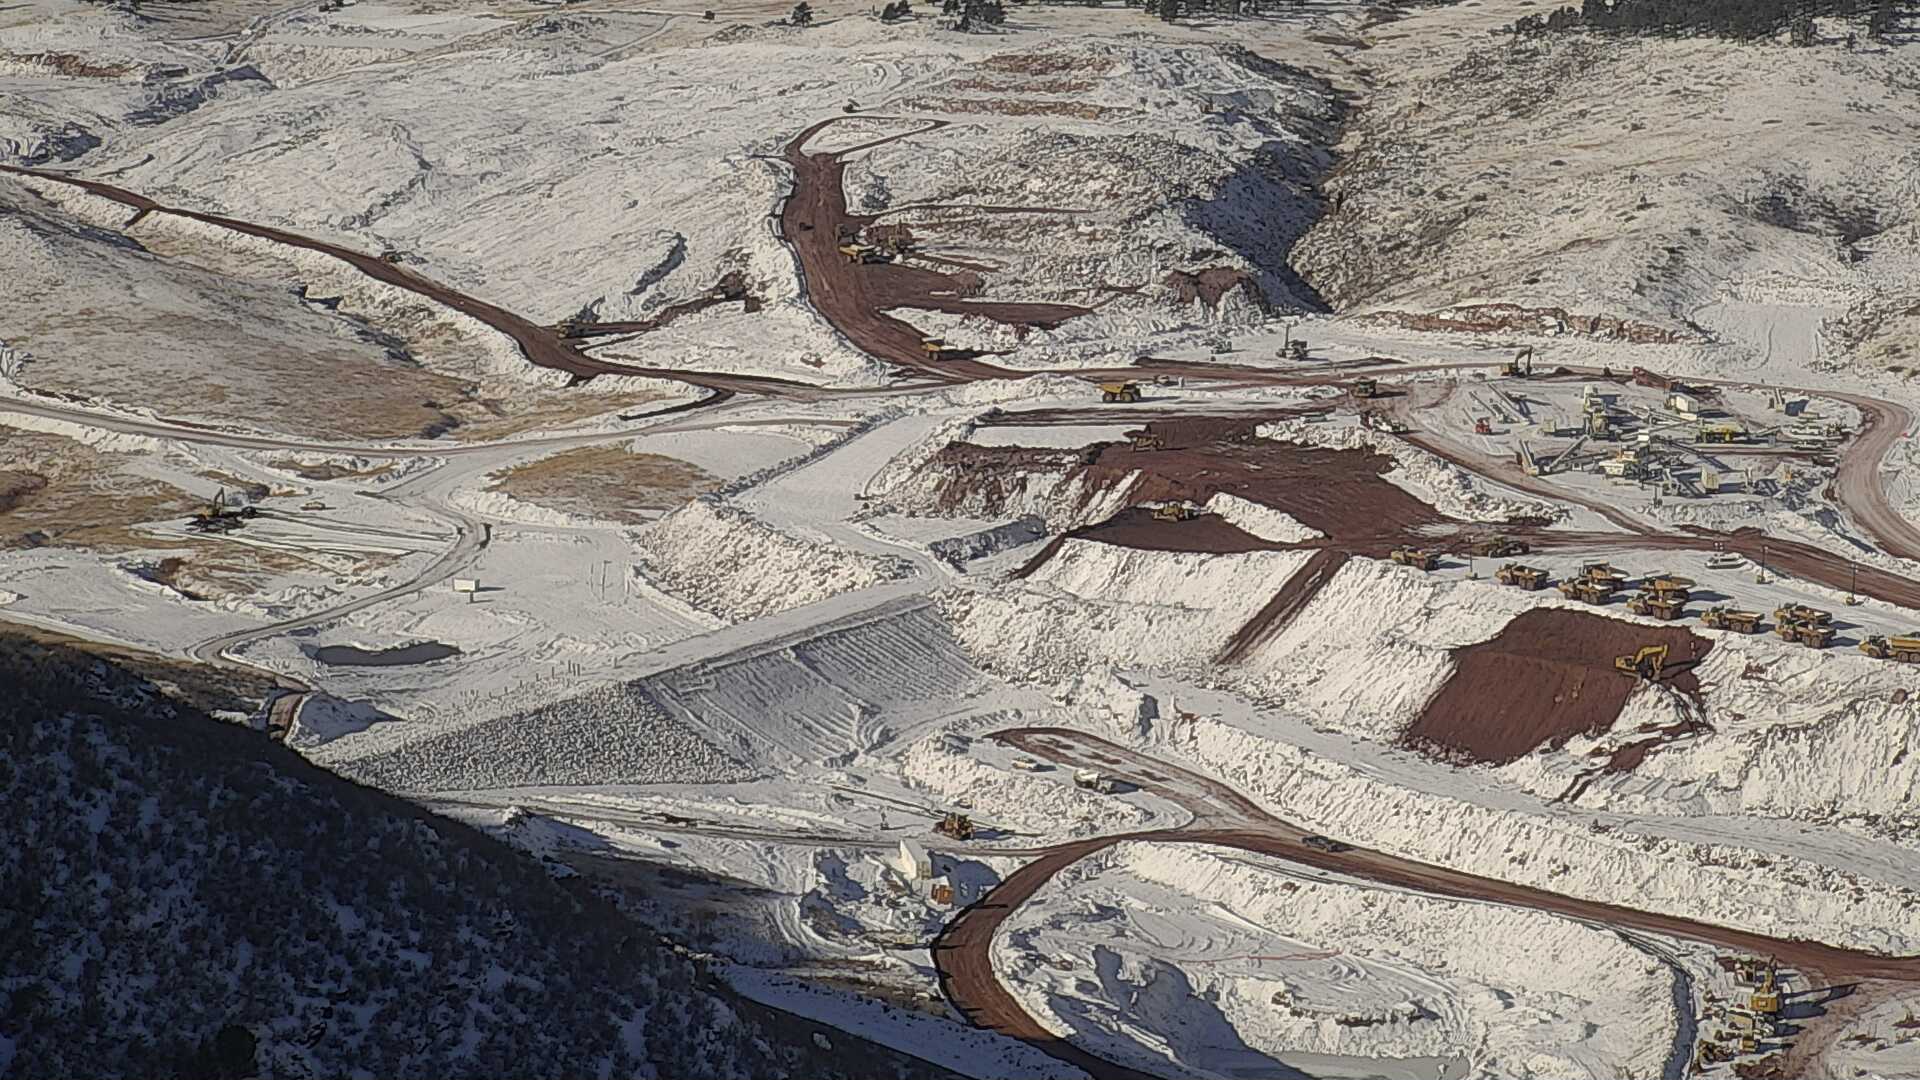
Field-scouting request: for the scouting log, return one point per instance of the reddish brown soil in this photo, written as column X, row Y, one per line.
column 1545, row 678
column 855, row 297
column 1286, row 604
column 1339, row 492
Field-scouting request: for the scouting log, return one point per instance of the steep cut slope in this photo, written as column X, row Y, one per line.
column 183, row 897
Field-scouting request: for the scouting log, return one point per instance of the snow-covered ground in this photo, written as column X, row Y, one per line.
column 1214, row 962
column 741, row 705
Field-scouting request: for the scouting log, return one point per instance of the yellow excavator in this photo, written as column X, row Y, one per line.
column 1646, row 664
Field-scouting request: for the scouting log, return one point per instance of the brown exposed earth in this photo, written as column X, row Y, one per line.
column 1286, row 605
column 609, row 482
column 1548, row 676
column 856, row 296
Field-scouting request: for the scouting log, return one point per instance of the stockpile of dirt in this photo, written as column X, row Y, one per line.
column 1342, row 493
column 1548, row 676
column 1209, row 286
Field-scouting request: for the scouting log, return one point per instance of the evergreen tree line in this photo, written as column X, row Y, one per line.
column 1739, row 20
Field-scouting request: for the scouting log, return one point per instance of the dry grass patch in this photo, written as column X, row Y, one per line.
column 62, row 492
column 609, row 482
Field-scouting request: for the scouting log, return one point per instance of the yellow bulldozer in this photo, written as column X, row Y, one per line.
column 1418, row 558
column 1147, row 440
column 1726, row 618
column 958, row 826
column 1175, row 512
column 1904, row 648
column 1119, row 391
column 1365, row 388
column 1531, row 578
column 1647, row 664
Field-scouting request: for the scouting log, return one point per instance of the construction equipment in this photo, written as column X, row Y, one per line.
column 1148, row 440
column 218, row 516
column 1175, row 512
column 1499, row 547
column 1801, row 613
column 1722, row 617
column 1647, row 664
column 1604, row 573
column 1655, row 606
column 1600, row 425
column 1904, row 648
column 1667, row 585
column 1418, row 558
column 1365, row 388
column 1725, row 560
column 1765, row 999
column 958, row 826
column 1552, row 466
column 1091, row 780
column 935, row 348
column 1530, row 578
column 1119, row 391
column 1814, row 635
column 1720, row 433
column 1520, row 366
column 1596, row 584
column 1481, row 426
column 865, row 253
column 1295, row 349
column 392, row 257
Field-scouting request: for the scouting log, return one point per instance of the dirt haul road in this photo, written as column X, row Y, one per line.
column 542, row 346
column 963, row 953
column 855, row 296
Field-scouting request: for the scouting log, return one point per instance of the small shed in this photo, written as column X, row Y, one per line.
column 914, row 861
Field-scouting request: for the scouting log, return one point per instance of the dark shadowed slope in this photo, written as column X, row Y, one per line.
column 180, row 896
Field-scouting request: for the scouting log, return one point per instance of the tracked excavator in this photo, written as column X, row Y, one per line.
column 1646, row 664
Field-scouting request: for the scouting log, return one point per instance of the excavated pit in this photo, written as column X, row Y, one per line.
column 1548, row 676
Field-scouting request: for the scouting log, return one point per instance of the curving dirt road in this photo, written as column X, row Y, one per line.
column 543, row 347
column 855, row 297
column 962, row 954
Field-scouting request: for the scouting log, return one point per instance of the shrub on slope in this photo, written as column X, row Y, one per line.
column 183, row 897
